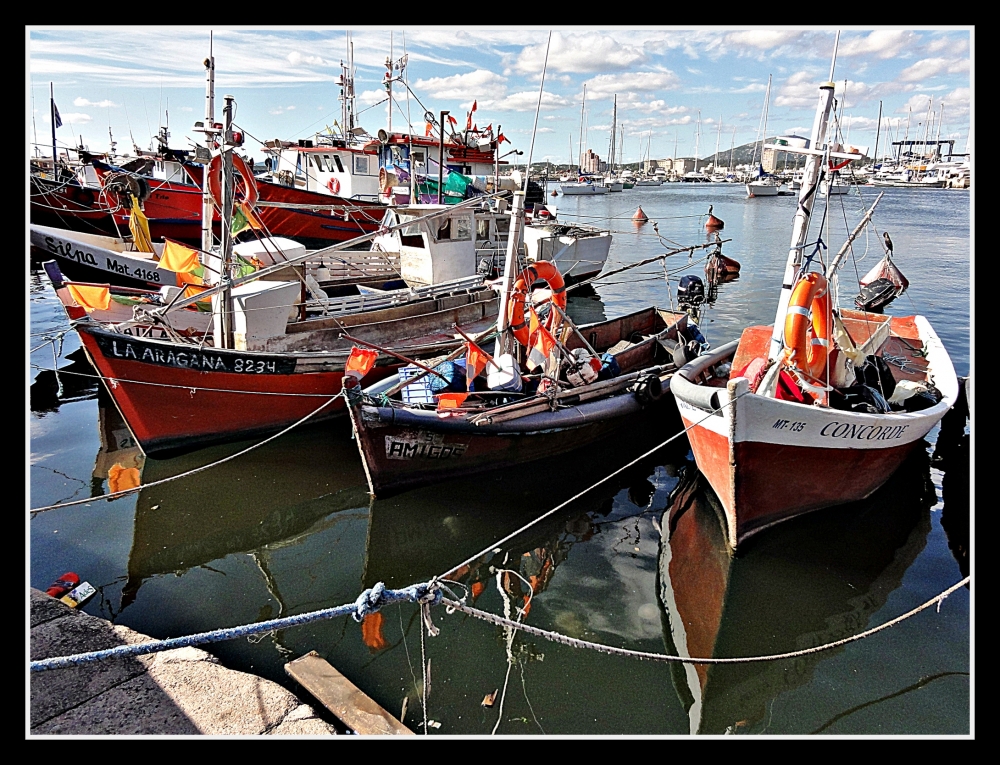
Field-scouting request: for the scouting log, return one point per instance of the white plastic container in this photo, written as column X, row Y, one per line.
column 507, row 378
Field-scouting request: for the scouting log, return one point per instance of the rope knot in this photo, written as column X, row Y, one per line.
column 369, row 602
column 428, row 593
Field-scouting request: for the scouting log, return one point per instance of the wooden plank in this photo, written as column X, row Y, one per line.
column 349, row 703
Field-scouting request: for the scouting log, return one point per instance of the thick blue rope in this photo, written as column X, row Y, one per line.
column 368, row 602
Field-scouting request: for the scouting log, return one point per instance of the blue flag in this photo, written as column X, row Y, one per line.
column 55, row 115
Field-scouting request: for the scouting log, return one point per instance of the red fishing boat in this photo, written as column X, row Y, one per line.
column 822, row 407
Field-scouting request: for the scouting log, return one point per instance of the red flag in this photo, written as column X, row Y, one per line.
column 476, row 360
column 474, row 105
column 452, row 120
column 468, row 121
column 501, row 138
column 427, row 130
column 360, row 362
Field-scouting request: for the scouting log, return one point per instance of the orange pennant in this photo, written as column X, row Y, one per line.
column 476, row 360
column 90, row 298
column 451, row 400
column 178, row 258
column 360, row 361
column 541, row 344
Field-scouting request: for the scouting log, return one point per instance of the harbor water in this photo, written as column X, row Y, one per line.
column 637, row 562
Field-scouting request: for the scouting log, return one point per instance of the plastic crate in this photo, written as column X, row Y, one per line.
column 419, row 392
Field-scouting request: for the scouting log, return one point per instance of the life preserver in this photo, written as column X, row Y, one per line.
column 333, row 185
column 809, row 306
column 547, row 272
column 250, row 193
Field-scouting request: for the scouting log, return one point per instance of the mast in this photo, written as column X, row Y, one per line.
column 583, row 103
column 763, row 117
column 611, row 151
column 224, row 335
column 878, row 129
column 697, row 139
column 807, row 197
column 732, row 153
column 207, row 205
column 718, row 137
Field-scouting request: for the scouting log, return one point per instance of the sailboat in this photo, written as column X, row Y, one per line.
column 696, row 176
column 584, row 184
column 822, row 407
column 764, row 184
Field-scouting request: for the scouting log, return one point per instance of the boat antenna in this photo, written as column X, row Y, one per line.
column 541, row 90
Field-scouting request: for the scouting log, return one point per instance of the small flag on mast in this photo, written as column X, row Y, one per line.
column 56, row 119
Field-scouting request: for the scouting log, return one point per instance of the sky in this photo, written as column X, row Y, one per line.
column 680, row 91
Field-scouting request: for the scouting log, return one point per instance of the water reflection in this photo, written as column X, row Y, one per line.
column 75, row 381
column 800, row 585
column 272, row 495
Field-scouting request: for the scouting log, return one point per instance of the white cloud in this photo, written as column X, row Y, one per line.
column 882, row 43
column 459, row 87
column 525, row 101
column 371, row 97
column 931, row 67
column 591, row 52
column 606, row 85
column 73, row 118
column 761, row 39
column 280, row 109
column 101, row 104
column 298, row 59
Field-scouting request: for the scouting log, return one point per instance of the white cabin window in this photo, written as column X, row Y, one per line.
column 360, row 164
column 340, row 167
column 418, row 158
column 454, row 229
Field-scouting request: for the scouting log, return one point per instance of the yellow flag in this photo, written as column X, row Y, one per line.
column 90, row 298
column 178, row 258
column 138, row 224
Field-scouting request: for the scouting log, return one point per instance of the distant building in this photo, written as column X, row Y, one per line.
column 590, row 162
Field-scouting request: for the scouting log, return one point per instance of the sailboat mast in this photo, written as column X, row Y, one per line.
column 878, row 130
column 803, row 213
column 583, row 104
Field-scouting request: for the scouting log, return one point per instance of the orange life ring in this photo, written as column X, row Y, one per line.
column 808, row 307
column 547, row 272
column 333, row 185
column 250, row 193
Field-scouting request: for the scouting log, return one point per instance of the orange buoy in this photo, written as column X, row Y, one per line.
column 555, row 193
column 713, row 222
column 640, row 216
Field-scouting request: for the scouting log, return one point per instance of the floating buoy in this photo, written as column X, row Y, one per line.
column 555, row 193
column 640, row 216
column 713, row 222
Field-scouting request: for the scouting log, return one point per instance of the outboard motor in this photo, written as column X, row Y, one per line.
column 690, row 291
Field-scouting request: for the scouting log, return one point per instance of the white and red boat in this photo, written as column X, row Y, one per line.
column 808, row 413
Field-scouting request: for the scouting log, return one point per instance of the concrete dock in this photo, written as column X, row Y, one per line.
column 182, row 692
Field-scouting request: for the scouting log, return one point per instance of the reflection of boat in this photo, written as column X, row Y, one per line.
column 280, row 490
column 803, row 585
column 76, row 381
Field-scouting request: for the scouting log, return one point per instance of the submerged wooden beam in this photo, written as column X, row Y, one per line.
column 350, row 704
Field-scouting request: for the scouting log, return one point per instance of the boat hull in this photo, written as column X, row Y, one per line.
column 173, row 398
column 581, row 189
column 764, row 190
column 770, row 460
column 98, row 258
column 403, row 449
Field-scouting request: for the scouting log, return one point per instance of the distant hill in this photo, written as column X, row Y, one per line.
column 740, row 155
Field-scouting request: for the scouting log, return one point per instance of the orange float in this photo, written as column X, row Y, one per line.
column 250, row 193
column 547, row 272
column 808, row 307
